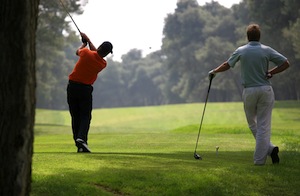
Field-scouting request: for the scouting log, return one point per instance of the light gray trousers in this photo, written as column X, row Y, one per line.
column 258, row 105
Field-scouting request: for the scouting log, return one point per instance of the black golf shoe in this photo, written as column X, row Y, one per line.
column 80, row 150
column 82, row 146
column 274, row 155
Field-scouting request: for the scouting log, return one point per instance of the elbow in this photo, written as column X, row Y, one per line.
column 287, row 64
column 226, row 66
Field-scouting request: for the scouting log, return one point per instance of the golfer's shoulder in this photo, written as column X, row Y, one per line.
column 102, row 62
column 241, row 48
column 269, row 50
column 266, row 47
column 83, row 51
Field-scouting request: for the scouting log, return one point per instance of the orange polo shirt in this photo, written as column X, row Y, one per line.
column 87, row 67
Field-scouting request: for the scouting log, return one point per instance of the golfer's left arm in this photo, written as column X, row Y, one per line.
column 279, row 69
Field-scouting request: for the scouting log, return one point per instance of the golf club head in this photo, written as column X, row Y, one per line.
column 196, row 156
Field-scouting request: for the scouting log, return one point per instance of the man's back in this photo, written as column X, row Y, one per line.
column 255, row 58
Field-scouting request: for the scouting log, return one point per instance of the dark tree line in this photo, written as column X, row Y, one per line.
column 195, row 40
column 56, row 45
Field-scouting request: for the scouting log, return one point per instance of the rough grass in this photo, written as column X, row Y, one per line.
column 149, row 151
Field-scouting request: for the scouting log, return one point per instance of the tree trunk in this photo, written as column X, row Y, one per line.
column 18, row 22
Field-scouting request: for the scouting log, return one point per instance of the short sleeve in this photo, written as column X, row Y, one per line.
column 275, row 57
column 82, row 51
column 234, row 58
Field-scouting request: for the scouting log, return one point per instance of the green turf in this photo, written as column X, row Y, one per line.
column 149, row 151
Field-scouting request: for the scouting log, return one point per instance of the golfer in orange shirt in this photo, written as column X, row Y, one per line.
column 79, row 91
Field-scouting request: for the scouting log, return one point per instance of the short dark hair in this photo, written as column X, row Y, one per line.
column 253, row 32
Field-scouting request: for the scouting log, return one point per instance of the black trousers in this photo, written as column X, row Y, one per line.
column 80, row 102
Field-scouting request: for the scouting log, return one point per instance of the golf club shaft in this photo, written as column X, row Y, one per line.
column 210, row 79
column 70, row 15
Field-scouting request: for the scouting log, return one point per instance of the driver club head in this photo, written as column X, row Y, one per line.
column 196, row 156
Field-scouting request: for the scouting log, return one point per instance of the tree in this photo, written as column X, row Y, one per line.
column 55, row 41
column 17, row 96
column 196, row 40
column 280, row 29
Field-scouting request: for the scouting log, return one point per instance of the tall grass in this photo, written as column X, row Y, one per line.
column 149, row 151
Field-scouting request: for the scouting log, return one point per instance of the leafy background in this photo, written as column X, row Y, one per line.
column 196, row 39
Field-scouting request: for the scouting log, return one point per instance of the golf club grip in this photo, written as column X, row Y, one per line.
column 83, row 40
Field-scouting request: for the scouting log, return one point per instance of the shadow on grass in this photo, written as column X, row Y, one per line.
column 228, row 157
column 51, row 125
column 178, row 173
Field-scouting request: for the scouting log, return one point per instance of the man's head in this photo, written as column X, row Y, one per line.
column 105, row 48
column 253, row 32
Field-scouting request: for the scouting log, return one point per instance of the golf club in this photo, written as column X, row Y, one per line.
column 197, row 156
column 82, row 39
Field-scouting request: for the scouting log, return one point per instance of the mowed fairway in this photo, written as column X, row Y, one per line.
column 149, row 151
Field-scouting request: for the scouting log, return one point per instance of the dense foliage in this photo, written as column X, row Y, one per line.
column 196, row 39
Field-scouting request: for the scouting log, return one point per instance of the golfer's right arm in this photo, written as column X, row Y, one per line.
column 223, row 67
column 280, row 68
column 91, row 45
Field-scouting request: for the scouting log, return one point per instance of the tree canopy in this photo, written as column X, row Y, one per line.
column 195, row 40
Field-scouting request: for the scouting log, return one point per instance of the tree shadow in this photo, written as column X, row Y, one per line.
column 176, row 173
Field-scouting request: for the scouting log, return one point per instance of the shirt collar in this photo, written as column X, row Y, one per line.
column 254, row 43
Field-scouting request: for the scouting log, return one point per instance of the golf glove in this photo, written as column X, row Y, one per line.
column 211, row 74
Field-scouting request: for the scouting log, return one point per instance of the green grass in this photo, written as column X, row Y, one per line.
column 149, row 151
